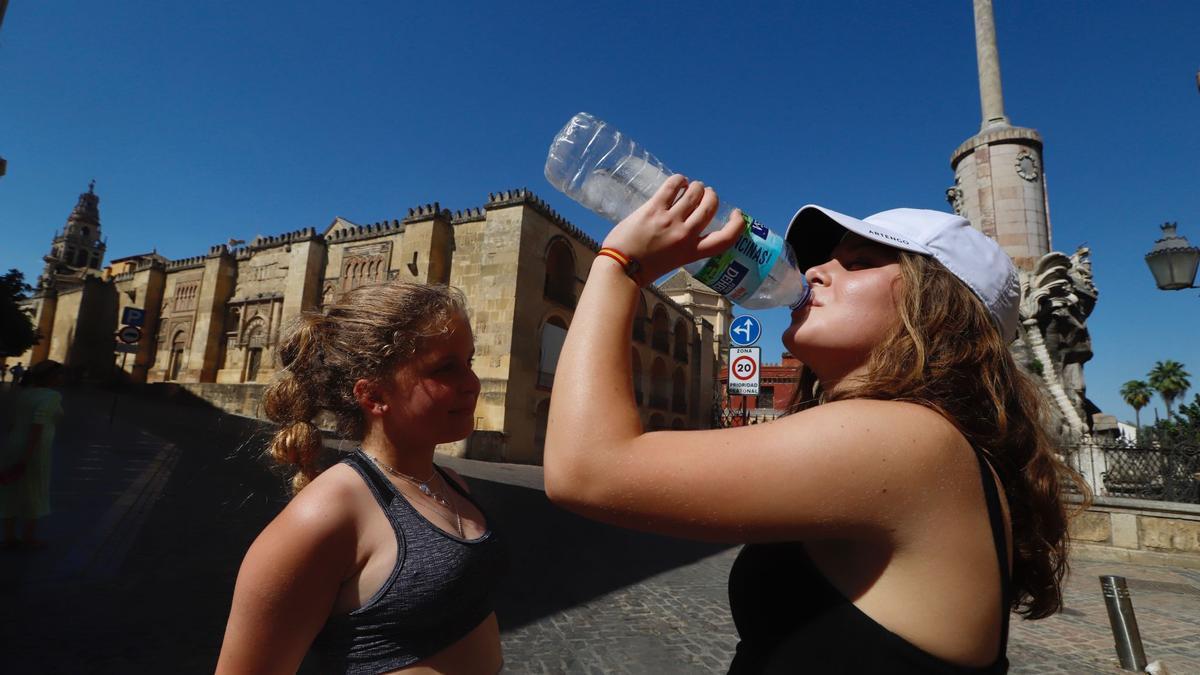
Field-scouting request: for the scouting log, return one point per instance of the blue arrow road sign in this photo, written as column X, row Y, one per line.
column 745, row 330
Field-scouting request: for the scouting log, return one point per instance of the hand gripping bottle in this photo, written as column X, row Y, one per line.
column 608, row 172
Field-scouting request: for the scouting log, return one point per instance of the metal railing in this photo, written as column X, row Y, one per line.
column 1150, row 470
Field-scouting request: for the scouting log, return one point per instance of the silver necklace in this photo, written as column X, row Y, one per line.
column 423, row 486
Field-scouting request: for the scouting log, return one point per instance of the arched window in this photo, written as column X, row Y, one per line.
column 682, row 337
column 641, row 317
column 657, row 423
column 542, row 419
column 678, row 392
column 660, row 385
column 560, row 273
column 659, row 329
column 637, row 378
column 678, row 425
column 554, row 333
column 255, row 332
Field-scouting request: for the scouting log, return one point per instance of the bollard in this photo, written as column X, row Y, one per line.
column 1124, row 623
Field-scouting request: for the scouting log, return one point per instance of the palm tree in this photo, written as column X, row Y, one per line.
column 1137, row 394
column 1170, row 380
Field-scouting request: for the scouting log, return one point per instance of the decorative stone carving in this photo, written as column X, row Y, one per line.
column 365, row 264
column 1027, row 166
column 1058, row 296
column 954, row 195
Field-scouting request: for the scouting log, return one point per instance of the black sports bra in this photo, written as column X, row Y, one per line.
column 792, row 619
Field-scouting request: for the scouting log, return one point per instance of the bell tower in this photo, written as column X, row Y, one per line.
column 999, row 180
column 78, row 250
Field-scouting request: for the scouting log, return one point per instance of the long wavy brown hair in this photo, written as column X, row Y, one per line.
column 367, row 334
column 947, row 355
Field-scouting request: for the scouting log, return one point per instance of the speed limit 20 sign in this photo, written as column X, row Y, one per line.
column 743, row 370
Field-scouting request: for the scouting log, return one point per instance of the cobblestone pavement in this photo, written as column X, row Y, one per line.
column 677, row 620
column 154, row 513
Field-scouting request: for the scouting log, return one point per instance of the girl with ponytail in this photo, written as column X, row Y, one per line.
column 382, row 561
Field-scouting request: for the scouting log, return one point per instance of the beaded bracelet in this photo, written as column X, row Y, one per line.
column 628, row 263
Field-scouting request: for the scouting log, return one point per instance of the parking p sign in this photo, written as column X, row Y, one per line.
column 743, row 371
column 133, row 316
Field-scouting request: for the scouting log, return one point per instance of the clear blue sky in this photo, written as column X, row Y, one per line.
column 206, row 120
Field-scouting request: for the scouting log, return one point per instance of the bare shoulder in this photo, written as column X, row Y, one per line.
column 873, row 424
column 904, row 443
column 324, row 515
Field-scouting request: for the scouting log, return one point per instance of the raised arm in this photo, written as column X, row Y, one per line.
column 829, row 470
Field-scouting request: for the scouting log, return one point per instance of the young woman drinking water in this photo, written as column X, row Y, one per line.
column 909, row 503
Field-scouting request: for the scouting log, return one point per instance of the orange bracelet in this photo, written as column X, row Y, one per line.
column 628, row 263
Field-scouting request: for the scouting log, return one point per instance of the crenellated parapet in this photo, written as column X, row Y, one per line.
column 297, row 236
column 471, row 215
column 524, row 196
column 185, row 263
column 357, row 232
column 427, row 212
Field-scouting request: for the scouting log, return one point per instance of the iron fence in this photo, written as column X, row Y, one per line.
column 1155, row 470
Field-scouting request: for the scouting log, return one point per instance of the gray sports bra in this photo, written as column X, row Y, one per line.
column 441, row 588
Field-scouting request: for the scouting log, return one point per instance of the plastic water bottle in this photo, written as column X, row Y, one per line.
column 611, row 174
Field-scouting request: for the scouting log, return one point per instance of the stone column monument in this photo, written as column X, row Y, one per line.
column 1000, row 186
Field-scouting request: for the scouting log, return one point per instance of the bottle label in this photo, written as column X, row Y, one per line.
column 739, row 271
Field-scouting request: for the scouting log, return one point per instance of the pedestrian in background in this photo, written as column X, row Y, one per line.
column 17, row 371
column 909, row 502
column 34, row 412
column 382, row 562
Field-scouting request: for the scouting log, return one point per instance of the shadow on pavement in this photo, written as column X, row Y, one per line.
column 559, row 559
column 166, row 609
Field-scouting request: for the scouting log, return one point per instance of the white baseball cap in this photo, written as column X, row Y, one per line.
column 976, row 259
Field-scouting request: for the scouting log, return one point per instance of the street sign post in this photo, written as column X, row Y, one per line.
column 127, row 338
column 744, row 370
column 129, row 334
column 744, row 330
column 134, row 316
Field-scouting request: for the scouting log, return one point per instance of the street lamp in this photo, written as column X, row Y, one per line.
column 1173, row 260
